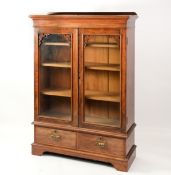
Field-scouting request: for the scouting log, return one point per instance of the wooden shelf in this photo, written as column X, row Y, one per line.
column 56, row 44
column 111, row 45
column 92, row 95
column 102, row 121
column 102, row 96
column 60, row 116
column 102, row 66
column 58, row 92
column 58, row 64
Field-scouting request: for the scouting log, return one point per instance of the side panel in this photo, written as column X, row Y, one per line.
column 130, row 85
column 123, row 78
column 36, row 74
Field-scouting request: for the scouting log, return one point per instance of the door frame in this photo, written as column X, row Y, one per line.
column 103, row 31
column 74, row 74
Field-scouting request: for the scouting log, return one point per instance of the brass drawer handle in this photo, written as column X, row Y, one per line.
column 55, row 136
column 100, row 142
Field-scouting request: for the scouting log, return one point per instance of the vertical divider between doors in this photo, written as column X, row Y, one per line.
column 75, row 77
column 81, row 78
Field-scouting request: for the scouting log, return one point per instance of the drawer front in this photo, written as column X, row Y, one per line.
column 100, row 144
column 55, row 137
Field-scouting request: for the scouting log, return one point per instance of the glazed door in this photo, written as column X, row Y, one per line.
column 57, row 92
column 100, row 84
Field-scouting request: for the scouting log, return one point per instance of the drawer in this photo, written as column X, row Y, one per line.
column 55, row 137
column 100, row 144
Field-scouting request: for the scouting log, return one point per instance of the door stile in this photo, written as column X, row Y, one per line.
column 75, row 80
column 81, row 80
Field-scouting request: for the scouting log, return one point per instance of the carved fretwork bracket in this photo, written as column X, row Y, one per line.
column 87, row 38
column 42, row 36
column 112, row 39
column 115, row 39
column 67, row 37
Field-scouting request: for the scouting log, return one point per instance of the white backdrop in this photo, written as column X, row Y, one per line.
column 152, row 53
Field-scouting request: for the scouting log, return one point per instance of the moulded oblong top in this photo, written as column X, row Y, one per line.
column 108, row 18
column 92, row 13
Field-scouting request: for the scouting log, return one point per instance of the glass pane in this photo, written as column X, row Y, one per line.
column 102, row 79
column 55, row 76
